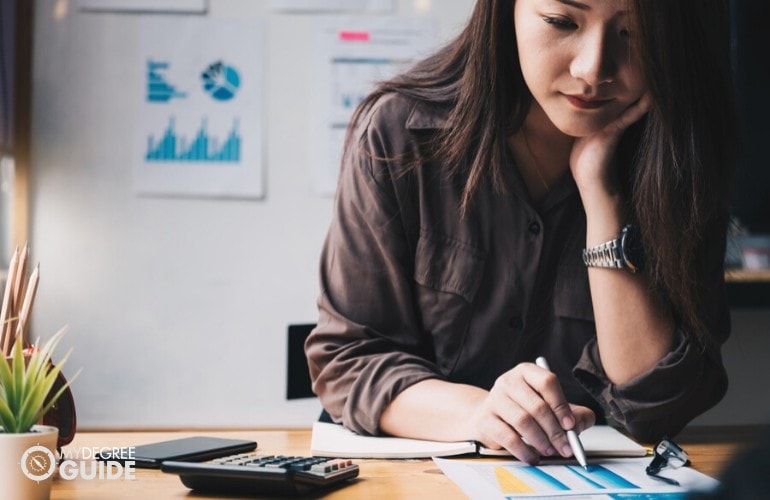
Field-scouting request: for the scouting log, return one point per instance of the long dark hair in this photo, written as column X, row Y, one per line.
column 680, row 157
column 686, row 156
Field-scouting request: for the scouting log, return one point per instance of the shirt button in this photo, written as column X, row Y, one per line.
column 534, row 228
column 516, row 323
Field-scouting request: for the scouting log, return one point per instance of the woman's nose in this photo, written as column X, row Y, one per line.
column 594, row 61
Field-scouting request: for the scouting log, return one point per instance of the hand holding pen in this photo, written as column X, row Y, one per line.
column 526, row 413
column 574, row 440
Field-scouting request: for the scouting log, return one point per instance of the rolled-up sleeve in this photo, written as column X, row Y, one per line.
column 367, row 346
column 683, row 384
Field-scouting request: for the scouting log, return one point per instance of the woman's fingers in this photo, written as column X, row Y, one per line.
column 528, row 414
column 515, row 402
column 498, row 434
column 631, row 114
column 584, row 418
column 591, row 157
column 546, row 403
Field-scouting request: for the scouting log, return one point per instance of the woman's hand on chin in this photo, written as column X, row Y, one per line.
column 592, row 156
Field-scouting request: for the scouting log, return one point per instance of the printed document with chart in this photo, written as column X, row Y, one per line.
column 612, row 478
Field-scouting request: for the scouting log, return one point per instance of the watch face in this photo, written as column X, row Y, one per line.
column 632, row 248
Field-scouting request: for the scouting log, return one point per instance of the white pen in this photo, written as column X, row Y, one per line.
column 572, row 437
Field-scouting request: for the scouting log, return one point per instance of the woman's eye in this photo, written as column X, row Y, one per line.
column 560, row 23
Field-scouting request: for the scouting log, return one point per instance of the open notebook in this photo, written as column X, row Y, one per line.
column 333, row 440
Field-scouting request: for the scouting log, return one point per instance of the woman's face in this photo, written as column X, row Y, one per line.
column 577, row 61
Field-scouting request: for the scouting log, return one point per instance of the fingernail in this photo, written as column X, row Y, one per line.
column 551, row 451
column 567, row 422
column 566, row 451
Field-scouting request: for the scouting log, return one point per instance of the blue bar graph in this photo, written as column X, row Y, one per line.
column 203, row 148
column 158, row 89
column 601, row 478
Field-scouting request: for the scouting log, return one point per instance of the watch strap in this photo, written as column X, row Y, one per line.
column 608, row 254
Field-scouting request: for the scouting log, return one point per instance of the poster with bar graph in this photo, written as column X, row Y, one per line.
column 606, row 479
column 200, row 128
column 351, row 55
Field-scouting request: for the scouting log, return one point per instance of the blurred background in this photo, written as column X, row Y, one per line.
column 179, row 300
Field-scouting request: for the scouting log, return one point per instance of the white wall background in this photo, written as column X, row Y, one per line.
column 178, row 308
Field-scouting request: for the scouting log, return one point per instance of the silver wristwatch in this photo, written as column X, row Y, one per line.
column 624, row 252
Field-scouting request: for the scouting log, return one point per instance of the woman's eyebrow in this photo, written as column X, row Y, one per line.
column 577, row 5
column 583, row 6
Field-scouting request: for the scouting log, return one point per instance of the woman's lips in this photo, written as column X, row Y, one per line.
column 583, row 102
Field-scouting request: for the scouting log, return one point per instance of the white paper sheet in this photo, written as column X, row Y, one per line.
column 200, row 120
column 351, row 54
column 333, row 440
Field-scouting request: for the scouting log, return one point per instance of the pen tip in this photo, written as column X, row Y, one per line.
column 586, row 467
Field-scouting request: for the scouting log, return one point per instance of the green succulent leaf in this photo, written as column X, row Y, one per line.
column 26, row 382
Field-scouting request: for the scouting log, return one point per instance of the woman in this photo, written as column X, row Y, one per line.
column 480, row 197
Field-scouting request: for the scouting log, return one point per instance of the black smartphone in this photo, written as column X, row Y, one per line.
column 191, row 449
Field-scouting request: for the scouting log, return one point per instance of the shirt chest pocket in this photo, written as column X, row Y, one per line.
column 447, row 276
column 571, row 294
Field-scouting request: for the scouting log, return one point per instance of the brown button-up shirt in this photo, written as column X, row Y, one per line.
column 412, row 291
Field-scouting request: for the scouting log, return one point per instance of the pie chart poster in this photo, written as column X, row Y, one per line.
column 199, row 131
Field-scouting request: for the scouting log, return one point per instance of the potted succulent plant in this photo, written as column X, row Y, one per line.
column 27, row 450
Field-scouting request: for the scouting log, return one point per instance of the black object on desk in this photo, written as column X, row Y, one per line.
column 251, row 474
column 297, row 373
column 192, row 449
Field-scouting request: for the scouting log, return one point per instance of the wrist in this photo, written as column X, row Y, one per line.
column 604, row 217
column 603, row 183
column 626, row 251
column 470, row 422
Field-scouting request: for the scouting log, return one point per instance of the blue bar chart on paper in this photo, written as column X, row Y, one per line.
column 170, row 147
column 158, row 88
column 611, row 479
column 556, row 479
column 200, row 108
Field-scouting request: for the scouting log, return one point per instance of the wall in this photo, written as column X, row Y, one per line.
column 178, row 308
column 746, row 356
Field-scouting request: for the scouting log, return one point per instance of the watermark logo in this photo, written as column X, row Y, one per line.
column 38, row 463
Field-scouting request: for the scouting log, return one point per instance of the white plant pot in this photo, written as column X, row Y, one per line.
column 27, row 463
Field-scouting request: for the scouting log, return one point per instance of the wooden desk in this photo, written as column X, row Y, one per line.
column 709, row 448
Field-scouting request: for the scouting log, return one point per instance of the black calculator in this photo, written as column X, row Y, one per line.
column 261, row 475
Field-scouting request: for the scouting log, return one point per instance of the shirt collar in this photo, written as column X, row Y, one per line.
column 432, row 117
column 563, row 189
column 427, row 117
